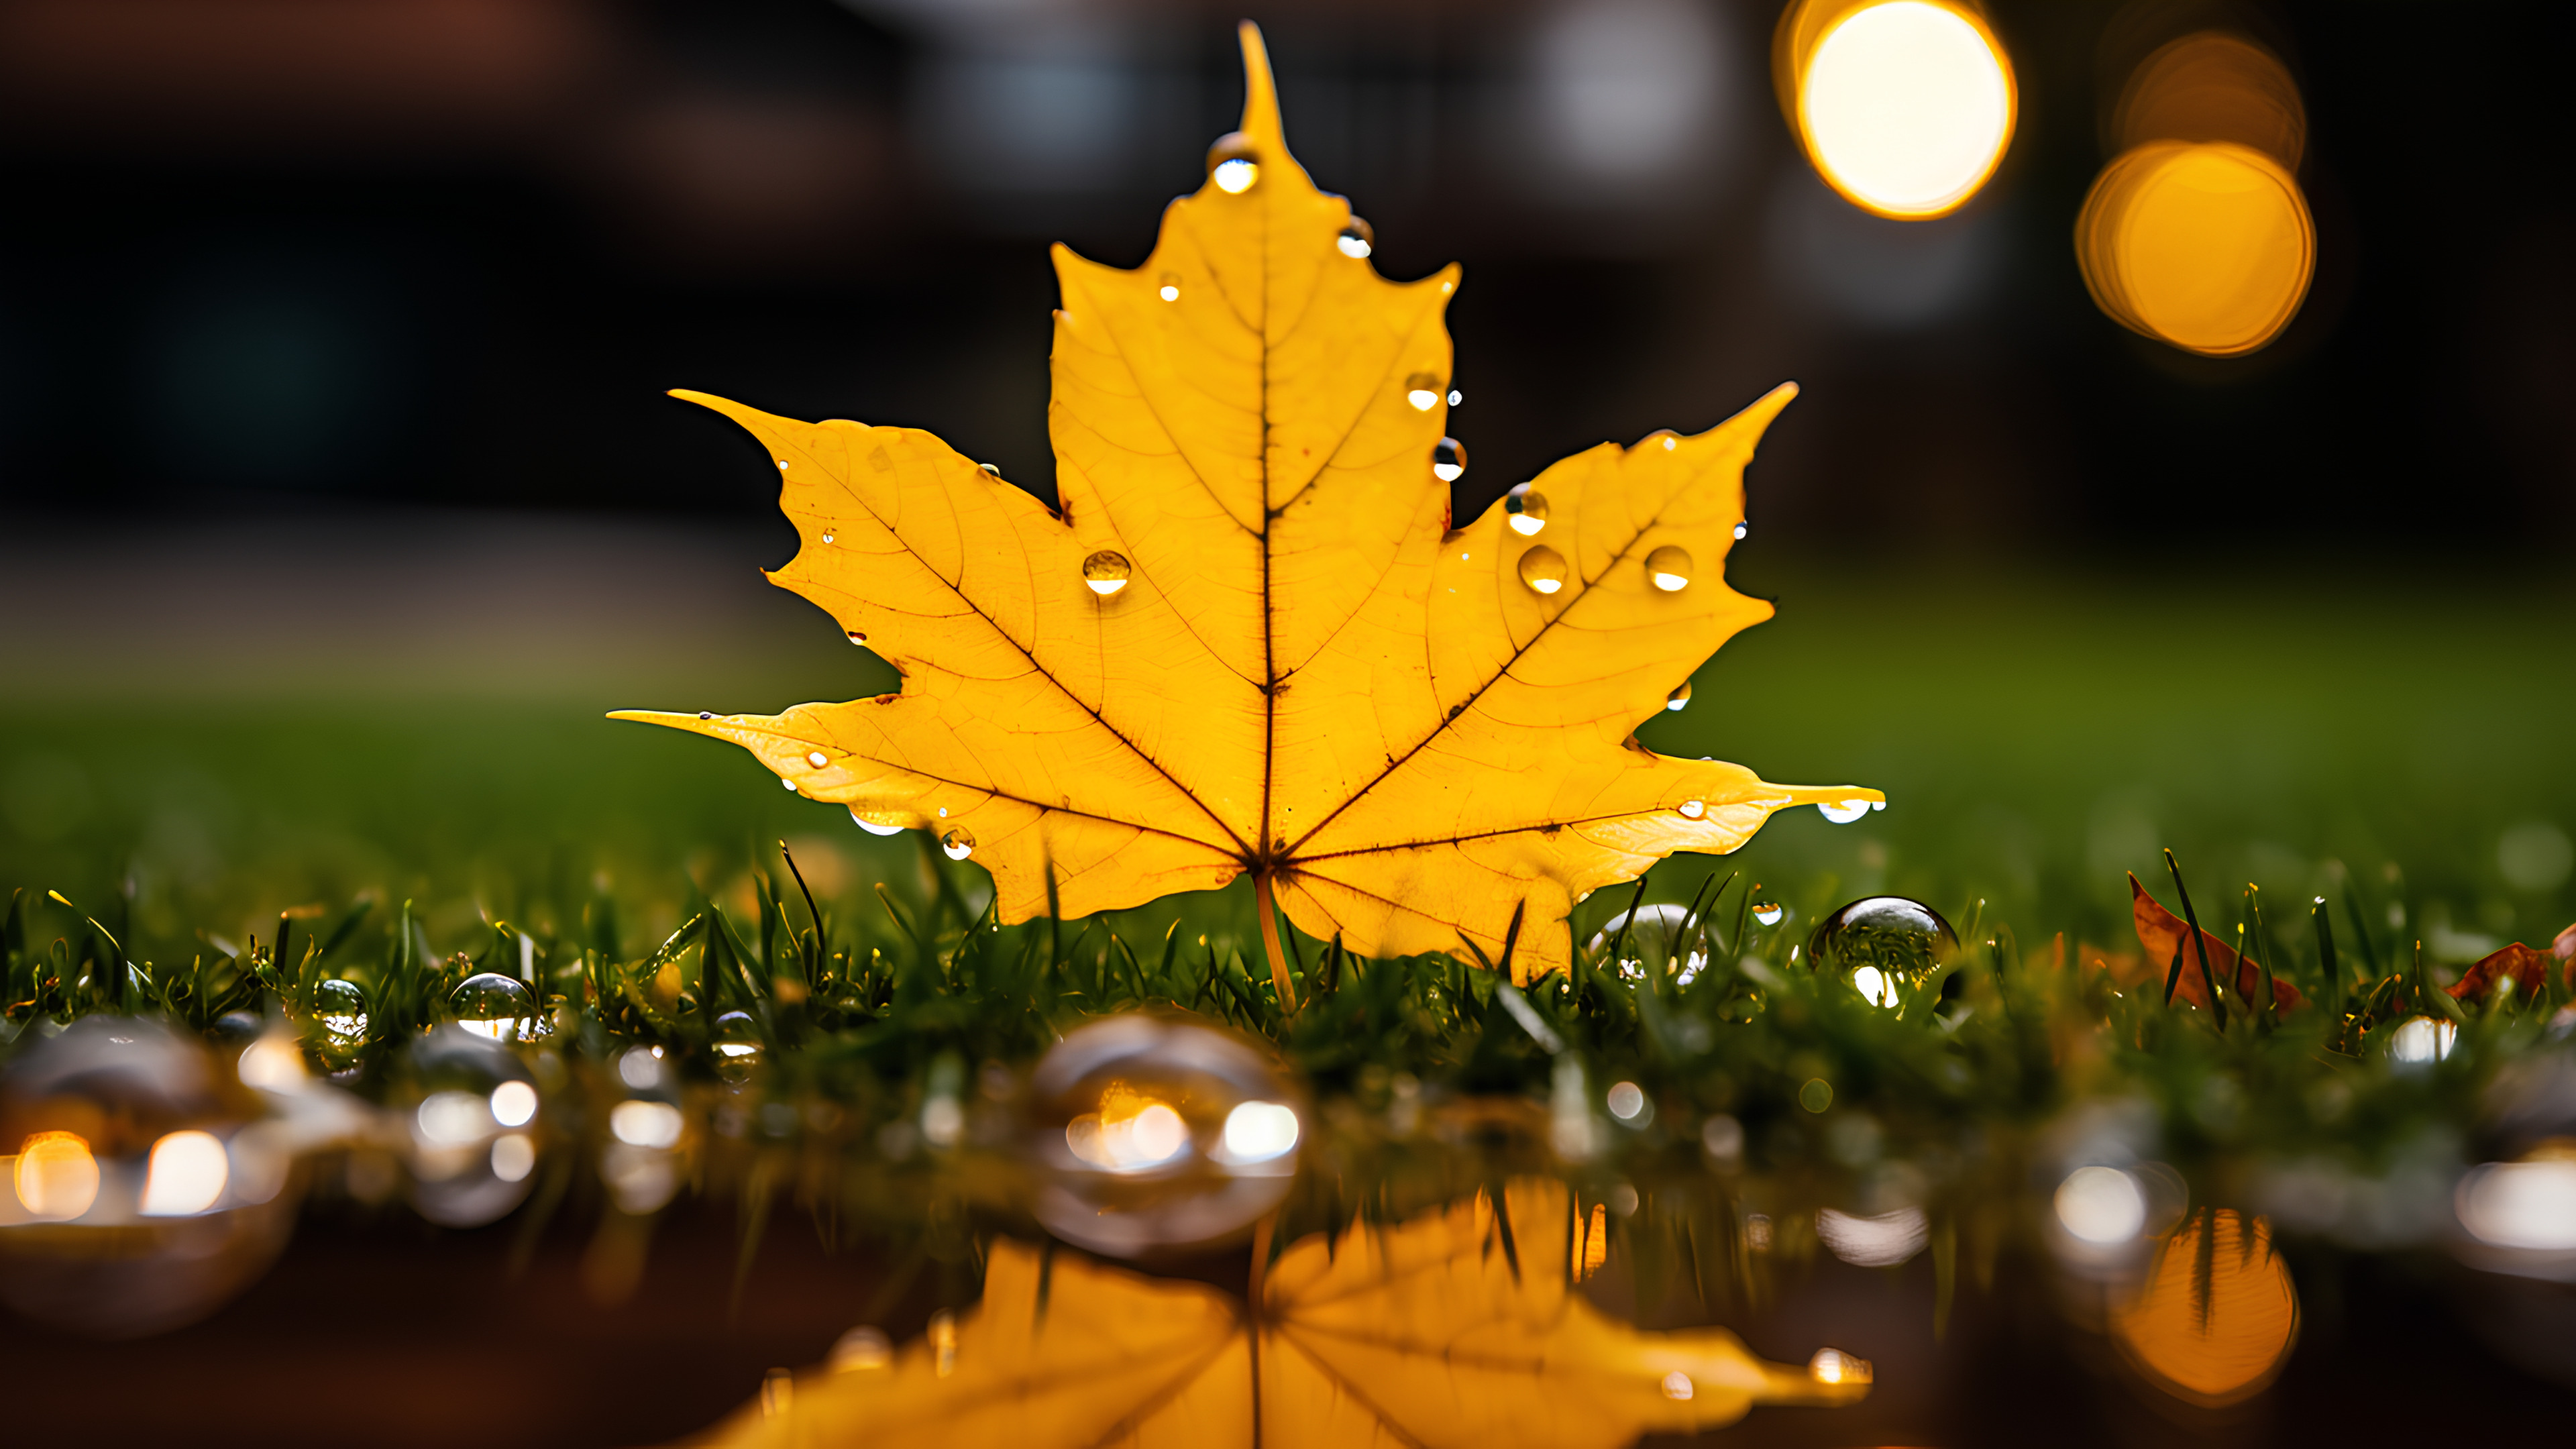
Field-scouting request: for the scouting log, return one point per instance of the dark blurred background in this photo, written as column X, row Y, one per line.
column 263, row 255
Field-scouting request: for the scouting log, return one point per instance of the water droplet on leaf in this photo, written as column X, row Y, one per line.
column 1448, row 460
column 1171, row 287
column 1669, row 568
column 1692, row 809
column 1842, row 812
column 858, row 638
column 341, row 1008
column 818, row 759
column 958, row 842
column 1678, row 697
column 1106, row 572
column 790, row 784
column 1456, row 397
column 1525, row 512
column 1232, row 164
column 1742, row 529
column 1543, row 569
column 1768, row 913
column 1357, row 239
column 883, row 825
column 993, row 468
column 1422, row 390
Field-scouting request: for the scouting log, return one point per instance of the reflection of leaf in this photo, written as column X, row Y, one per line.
column 2162, row 933
column 2217, row 1315
column 1304, row 676
column 1423, row 1334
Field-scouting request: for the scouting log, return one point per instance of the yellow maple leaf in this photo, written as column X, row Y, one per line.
column 1436, row 1332
column 1248, row 640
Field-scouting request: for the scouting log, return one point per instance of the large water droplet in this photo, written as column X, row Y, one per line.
column 958, row 842
column 737, row 1043
column 1525, row 511
column 1842, row 812
column 1448, row 460
column 1678, row 697
column 341, row 1008
column 492, row 1005
column 1669, row 568
column 1170, row 290
column 1233, row 164
column 817, row 759
column 1768, row 913
column 1902, row 938
column 1422, row 390
column 1106, row 572
column 876, row 823
column 1543, row 569
column 1357, row 240
column 1692, row 809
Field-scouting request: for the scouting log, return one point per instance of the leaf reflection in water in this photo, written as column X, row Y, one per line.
column 1445, row 1330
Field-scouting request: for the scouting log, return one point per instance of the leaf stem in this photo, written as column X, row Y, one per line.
column 1279, row 977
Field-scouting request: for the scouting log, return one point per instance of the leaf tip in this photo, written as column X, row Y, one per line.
column 1260, row 92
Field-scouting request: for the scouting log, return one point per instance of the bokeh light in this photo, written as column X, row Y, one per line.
column 56, row 1176
column 187, row 1175
column 1904, row 106
column 2204, row 245
column 2197, row 233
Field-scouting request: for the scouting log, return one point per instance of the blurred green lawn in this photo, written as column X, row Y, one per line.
column 2037, row 735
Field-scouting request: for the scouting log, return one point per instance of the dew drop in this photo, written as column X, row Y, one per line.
column 1678, row 697
column 736, row 1039
column 1422, row 390
column 1669, row 569
column 1456, row 397
column 706, row 714
column 1448, row 460
column 492, row 1005
column 1692, row 809
column 1106, row 572
column 1671, row 442
column 1526, row 512
column 1742, row 529
column 993, row 468
column 818, row 759
column 1842, row 812
column 882, row 826
column 1171, row 288
column 1543, row 569
column 857, row 638
column 341, row 1008
column 1768, row 913
column 782, row 465
column 1231, row 163
column 827, row 538
column 1357, row 240
column 958, row 842
column 790, row 784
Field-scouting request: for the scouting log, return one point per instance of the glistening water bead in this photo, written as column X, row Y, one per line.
column 1422, row 391
column 1678, row 697
column 1448, row 460
column 1525, row 511
column 1692, row 809
column 341, row 1008
column 1171, row 287
column 1543, row 569
column 1768, row 913
column 1669, row 568
column 958, row 842
column 1106, row 572
column 1357, row 240
column 1232, row 164
column 818, row 759
column 1843, row 812
column 874, row 827
column 494, row 1007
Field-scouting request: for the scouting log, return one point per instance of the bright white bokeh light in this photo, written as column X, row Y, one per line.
column 513, row 1103
column 2101, row 1205
column 2527, row 1205
column 1906, row 107
column 1148, row 1137
column 453, row 1119
column 646, row 1124
column 1260, row 1131
column 513, row 1157
column 1882, row 1241
column 274, row 1063
column 187, row 1175
column 1626, row 1100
